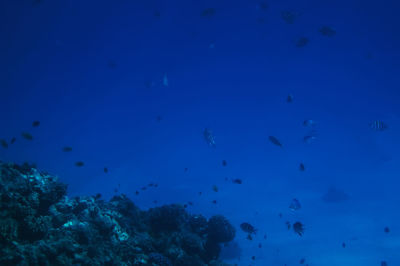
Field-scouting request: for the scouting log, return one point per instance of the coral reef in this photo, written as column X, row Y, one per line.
column 40, row 225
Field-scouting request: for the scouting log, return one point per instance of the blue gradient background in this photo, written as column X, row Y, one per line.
column 54, row 68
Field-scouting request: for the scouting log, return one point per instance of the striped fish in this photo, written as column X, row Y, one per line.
column 378, row 125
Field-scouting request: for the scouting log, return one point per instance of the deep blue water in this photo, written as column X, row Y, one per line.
column 94, row 74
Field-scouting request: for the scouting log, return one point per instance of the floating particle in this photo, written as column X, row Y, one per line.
column 384, row 263
column 386, row 230
column 158, row 118
column 280, row 215
column 215, row 188
column 157, row 14
column 265, row 236
column 200, row 193
column 289, row 16
column 105, row 170
column 36, row 123
column 136, row 192
column 209, row 137
column 13, row 140
column 67, row 149
column 186, row 169
column 224, row 163
column 253, row 257
column 302, row 261
column 214, row 201
column 27, row 136
column 143, row 188
column 343, row 245
column 79, row 164
column 249, row 237
column 295, row 205
column 259, row 245
column 302, row 167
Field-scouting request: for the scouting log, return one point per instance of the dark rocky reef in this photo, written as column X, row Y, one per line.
column 40, row 225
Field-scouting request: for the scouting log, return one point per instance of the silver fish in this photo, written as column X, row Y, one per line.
column 378, row 125
column 209, row 137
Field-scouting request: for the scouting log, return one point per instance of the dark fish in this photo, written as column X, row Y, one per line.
column 67, row 149
column 79, row 164
column 159, row 118
column 143, row 188
column 105, row 170
column 249, row 237
column 280, row 215
column 208, row 12
column 13, row 140
column 155, row 201
column 215, row 188
column 275, row 141
column 200, row 193
column 4, row 143
column 309, row 123
column 289, row 16
column 289, row 98
column 27, row 136
column 157, row 14
column 214, row 201
column 112, row 64
column 343, row 245
column 155, row 185
column 186, row 169
column 302, row 167
column 265, row 236
column 384, row 263
column 190, row 203
column 248, row 228
column 298, row 228
column 386, row 230
column 263, row 6
column 302, row 41
column 253, row 257
column 150, row 185
column 259, row 245
column 237, row 181
column 36, row 123
column 302, row 261
column 295, row 205
column 136, row 192
column 185, row 206
column 224, row 163
column 378, row 125
column 327, row 31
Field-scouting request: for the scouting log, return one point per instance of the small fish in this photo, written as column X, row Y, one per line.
column 249, row 237
column 343, row 245
column 289, row 16
column 155, row 185
column 214, row 201
column 384, row 263
column 289, row 98
column 165, row 80
column 190, row 203
column 67, row 149
column 309, row 139
column 378, row 125
column 36, row 123
column 209, row 137
column 265, row 236
column 215, row 188
column 208, row 12
column 186, row 169
column 136, row 192
column 144, row 188
column 288, row 225
column 105, row 170
column 185, row 206
column 237, row 181
column 302, row 261
column 259, row 245
column 150, row 185
column 200, row 193
column 253, row 257
column 327, row 31
column 248, row 228
column 155, row 201
column 295, row 205
column 13, row 140
column 4, row 143
column 262, row 6
column 386, row 230
column 27, row 136
column 79, row 164
column 224, row 163
column 302, row 167
column 275, row 141
column 280, row 215
column 309, row 123
column 112, row 64
column 157, row 14
column 302, row 41
column 158, row 118
column 298, row 228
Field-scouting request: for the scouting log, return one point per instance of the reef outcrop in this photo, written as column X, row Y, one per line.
column 41, row 225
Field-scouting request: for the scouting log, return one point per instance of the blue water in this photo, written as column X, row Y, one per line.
column 95, row 74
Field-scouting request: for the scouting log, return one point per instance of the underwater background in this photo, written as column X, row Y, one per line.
column 236, row 107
